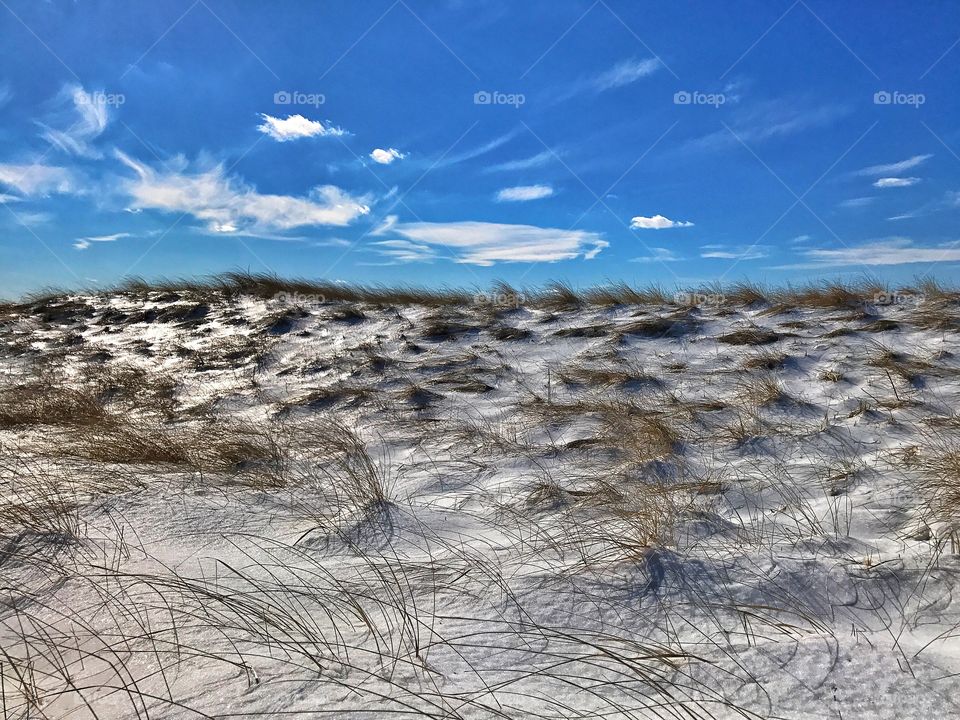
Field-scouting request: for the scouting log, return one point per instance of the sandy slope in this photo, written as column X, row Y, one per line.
column 572, row 514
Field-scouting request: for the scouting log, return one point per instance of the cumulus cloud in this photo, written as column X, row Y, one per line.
column 895, row 168
column 228, row 205
column 37, row 179
column 385, row 157
column 890, row 251
column 84, row 115
column 657, row 222
column 896, row 182
column 524, row 193
column 294, row 127
column 483, row 243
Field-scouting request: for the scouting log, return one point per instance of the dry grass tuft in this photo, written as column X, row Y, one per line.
column 750, row 336
column 557, row 297
column 766, row 361
column 659, row 327
column 585, row 331
column 40, row 403
column 507, row 332
column 606, row 377
column 744, row 293
column 830, row 295
column 763, row 389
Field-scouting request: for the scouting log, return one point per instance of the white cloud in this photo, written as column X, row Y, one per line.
column 739, row 252
column 37, row 179
column 857, row 202
column 658, row 254
column 84, row 242
column 483, row 243
column 385, row 226
column 385, row 157
column 891, row 251
column 768, row 120
column 626, row 72
column 896, row 182
column 85, row 117
column 657, row 222
column 406, row 251
column 228, row 205
column 524, row 193
column 621, row 74
column 526, row 163
column 895, row 168
column 4, row 198
column 294, row 127
column 447, row 159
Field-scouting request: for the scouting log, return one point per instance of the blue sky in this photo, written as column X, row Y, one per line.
column 457, row 142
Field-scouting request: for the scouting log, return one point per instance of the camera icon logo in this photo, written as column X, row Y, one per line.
column 482, row 97
column 682, row 97
column 282, row 97
column 882, row 97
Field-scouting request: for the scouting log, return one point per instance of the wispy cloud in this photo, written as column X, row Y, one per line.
column 406, row 251
column 37, row 179
column 949, row 201
column 895, row 168
column 85, row 242
column 658, row 254
column 657, row 222
column 620, row 75
column 896, row 182
column 469, row 154
column 890, row 251
column 228, row 205
column 524, row 193
column 294, row 127
column 385, row 157
column 857, row 202
column 534, row 161
column 483, row 243
column 82, row 117
column 738, row 252
column 625, row 73
column 765, row 121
